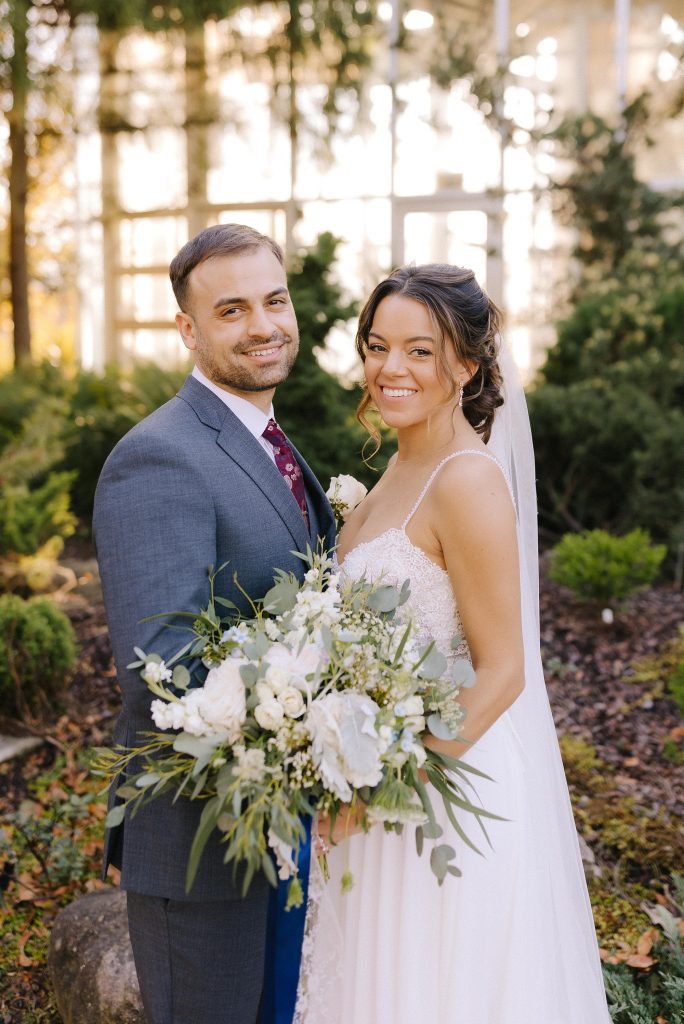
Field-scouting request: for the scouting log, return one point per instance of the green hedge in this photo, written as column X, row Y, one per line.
column 37, row 653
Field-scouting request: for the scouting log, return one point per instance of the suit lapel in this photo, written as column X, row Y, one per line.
column 244, row 449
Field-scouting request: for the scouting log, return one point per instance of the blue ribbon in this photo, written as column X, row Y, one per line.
column 284, row 937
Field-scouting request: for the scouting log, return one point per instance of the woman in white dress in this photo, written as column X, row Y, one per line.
column 510, row 941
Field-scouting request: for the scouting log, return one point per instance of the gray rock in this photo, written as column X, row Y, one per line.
column 91, row 962
column 591, row 868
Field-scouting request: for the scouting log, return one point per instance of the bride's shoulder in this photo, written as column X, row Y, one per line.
column 471, row 485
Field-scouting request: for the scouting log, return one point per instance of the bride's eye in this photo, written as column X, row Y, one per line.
column 373, row 346
column 422, row 352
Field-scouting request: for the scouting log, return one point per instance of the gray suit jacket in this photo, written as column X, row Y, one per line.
column 189, row 487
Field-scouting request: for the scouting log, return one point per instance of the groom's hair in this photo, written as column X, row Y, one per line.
column 219, row 240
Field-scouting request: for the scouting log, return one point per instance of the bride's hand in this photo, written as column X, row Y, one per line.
column 348, row 822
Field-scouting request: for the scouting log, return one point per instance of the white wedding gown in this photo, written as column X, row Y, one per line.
column 512, row 940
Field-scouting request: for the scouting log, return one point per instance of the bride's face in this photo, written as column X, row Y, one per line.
column 401, row 367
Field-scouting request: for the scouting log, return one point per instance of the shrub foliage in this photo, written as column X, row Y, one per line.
column 37, row 653
column 599, row 567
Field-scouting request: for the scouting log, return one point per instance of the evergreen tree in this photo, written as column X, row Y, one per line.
column 313, row 407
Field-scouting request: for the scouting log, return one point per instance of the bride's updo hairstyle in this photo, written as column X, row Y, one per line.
column 464, row 317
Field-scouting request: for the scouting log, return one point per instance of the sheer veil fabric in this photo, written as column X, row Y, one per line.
column 512, row 941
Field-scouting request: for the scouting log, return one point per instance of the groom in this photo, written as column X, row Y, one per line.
column 206, row 479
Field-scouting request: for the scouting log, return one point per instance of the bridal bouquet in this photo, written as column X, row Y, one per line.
column 322, row 698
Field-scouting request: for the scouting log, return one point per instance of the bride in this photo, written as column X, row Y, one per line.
column 511, row 940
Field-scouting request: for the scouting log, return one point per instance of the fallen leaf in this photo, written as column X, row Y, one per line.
column 645, row 941
column 23, row 960
column 643, row 963
column 27, row 889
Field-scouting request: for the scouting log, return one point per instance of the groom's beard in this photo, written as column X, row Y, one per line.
column 224, row 366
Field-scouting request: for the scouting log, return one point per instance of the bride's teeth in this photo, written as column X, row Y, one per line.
column 397, row 392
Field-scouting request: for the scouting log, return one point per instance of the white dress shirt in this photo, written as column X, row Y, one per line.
column 250, row 415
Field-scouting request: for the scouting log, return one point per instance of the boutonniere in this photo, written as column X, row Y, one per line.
column 344, row 494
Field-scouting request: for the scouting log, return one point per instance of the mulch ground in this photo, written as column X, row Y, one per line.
column 591, row 691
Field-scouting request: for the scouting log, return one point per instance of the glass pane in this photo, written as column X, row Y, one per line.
column 452, row 236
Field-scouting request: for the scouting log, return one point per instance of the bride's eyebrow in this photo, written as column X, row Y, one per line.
column 407, row 341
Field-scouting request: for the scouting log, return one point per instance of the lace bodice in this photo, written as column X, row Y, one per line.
column 431, row 606
column 393, row 556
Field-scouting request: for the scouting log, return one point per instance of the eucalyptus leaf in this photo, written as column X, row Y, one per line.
column 440, row 857
column 269, row 870
column 128, row 791
column 420, row 835
column 439, row 728
column 282, row 597
column 180, row 677
column 196, row 746
column 432, row 830
column 384, row 599
column 433, row 665
column 115, row 816
column 204, row 830
column 249, row 674
column 463, row 673
column 144, row 781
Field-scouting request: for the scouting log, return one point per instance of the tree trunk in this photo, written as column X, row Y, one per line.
column 18, row 185
column 200, row 113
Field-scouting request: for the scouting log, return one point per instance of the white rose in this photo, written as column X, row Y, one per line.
column 222, row 699
column 345, row 493
column 292, row 701
column 269, row 715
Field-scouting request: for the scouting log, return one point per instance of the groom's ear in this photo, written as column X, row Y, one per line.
column 186, row 329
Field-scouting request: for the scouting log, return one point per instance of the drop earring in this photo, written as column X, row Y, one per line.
column 460, row 394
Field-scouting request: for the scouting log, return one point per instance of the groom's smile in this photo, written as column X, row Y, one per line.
column 240, row 323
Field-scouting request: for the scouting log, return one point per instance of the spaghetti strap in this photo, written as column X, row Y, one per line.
column 454, row 455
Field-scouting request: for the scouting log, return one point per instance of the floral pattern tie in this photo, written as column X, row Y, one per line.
column 287, row 464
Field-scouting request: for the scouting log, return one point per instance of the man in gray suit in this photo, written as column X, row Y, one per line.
column 198, row 484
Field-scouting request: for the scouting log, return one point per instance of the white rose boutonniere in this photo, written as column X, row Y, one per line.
column 344, row 494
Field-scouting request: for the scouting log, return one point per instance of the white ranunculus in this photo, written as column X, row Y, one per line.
column 292, row 701
column 345, row 493
column 269, row 715
column 345, row 744
column 283, row 856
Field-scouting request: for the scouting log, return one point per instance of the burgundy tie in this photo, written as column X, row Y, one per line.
column 287, row 464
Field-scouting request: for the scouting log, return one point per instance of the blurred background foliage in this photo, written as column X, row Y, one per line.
column 607, row 408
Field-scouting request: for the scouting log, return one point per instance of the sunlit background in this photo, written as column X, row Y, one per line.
column 416, row 169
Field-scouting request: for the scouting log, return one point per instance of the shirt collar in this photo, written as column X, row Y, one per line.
column 249, row 414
